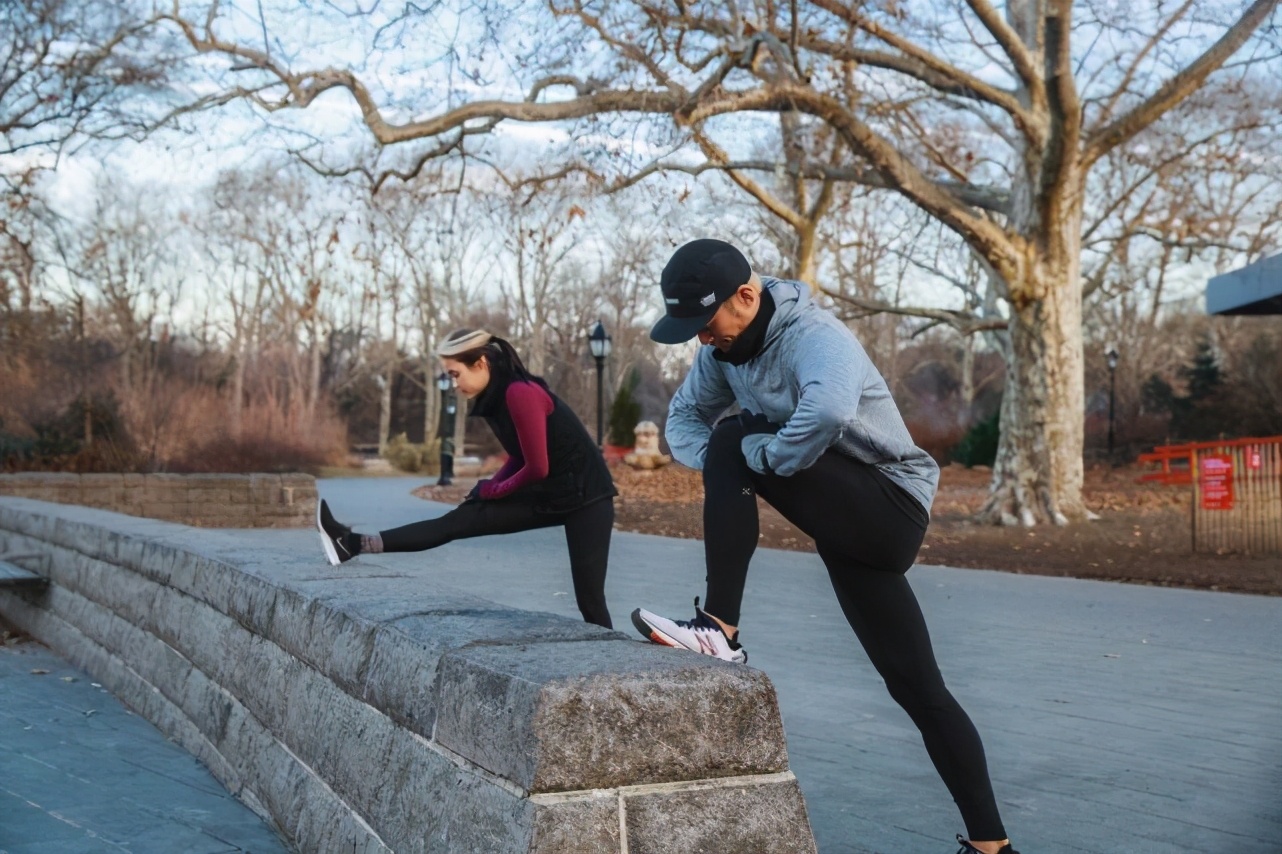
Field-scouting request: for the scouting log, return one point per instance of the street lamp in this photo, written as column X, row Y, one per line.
column 446, row 430
column 599, row 346
column 1111, row 356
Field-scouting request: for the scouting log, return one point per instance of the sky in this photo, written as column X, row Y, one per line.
column 447, row 58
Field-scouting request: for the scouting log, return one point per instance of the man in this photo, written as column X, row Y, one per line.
column 820, row 438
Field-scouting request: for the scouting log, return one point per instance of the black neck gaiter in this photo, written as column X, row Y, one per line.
column 751, row 340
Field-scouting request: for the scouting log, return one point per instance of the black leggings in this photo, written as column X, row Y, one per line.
column 587, row 533
column 868, row 537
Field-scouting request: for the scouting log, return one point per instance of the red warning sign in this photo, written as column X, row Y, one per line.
column 1216, row 481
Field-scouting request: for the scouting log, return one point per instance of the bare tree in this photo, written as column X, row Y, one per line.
column 1198, row 195
column 67, row 67
column 122, row 275
column 431, row 225
column 1038, row 97
column 538, row 232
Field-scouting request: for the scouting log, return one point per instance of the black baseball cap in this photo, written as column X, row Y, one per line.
column 699, row 276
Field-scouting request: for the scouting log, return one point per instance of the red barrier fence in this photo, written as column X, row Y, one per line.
column 1236, row 491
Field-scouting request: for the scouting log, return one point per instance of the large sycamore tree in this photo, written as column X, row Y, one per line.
column 987, row 118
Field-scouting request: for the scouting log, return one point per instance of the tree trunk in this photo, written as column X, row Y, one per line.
column 806, row 247
column 431, row 403
column 238, row 392
column 1037, row 477
column 384, row 411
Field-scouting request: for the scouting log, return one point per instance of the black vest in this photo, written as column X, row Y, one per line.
column 577, row 473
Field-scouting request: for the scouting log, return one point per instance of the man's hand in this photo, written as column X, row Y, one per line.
column 756, row 423
column 757, row 433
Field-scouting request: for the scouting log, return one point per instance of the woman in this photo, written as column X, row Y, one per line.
column 554, row 475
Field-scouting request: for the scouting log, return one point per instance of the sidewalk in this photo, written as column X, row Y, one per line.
column 80, row 774
column 1116, row 718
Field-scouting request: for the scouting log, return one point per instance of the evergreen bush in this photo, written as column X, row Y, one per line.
column 625, row 413
column 979, row 446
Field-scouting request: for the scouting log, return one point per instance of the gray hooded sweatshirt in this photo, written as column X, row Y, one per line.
column 813, row 377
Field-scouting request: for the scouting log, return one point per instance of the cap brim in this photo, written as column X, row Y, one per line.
column 678, row 330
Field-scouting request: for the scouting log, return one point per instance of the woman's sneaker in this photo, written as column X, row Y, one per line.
column 702, row 634
column 967, row 848
column 339, row 542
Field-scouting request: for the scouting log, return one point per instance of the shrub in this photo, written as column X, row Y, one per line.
column 406, row 456
column 267, row 441
column 625, row 414
column 58, row 442
column 979, row 446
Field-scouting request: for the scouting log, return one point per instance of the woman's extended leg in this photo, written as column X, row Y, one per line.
column 587, row 534
column 469, row 519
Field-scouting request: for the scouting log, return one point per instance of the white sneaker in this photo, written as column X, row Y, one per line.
column 702, row 634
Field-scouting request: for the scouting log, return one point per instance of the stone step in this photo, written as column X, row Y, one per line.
column 14, row 576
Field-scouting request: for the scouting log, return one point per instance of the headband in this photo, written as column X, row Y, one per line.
column 461, row 340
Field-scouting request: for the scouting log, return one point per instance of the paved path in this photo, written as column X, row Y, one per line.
column 1117, row 718
column 80, row 774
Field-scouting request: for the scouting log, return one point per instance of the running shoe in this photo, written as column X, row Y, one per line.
column 339, row 542
column 702, row 634
column 967, row 848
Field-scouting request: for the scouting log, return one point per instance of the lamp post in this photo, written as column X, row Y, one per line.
column 446, row 430
column 599, row 346
column 1111, row 356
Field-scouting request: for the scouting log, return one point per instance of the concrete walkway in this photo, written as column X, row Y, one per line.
column 1116, row 718
column 80, row 774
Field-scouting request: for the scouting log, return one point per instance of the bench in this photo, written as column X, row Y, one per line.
column 14, row 576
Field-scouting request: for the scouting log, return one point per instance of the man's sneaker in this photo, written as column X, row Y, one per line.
column 702, row 634
column 339, row 542
column 967, row 848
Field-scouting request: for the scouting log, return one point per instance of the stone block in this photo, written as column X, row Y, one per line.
column 104, row 497
column 747, row 815
column 57, row 487
column 86, row 539
column 565, row 716
column 403, row 666
column 101, row 481
column 581, row 825
column 210, row 496
column 102, row 490
column 264, row 489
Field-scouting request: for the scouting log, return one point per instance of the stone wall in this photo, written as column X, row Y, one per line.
column 371, row 710
column 204, row 500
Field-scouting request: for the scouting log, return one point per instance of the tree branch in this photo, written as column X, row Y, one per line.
column 1148, row 48
column 937, row 75
column 1014, row 48
column 717, row 156
column 898, row 171
column 1179, row 87
column 964, row 322
column 984, row 198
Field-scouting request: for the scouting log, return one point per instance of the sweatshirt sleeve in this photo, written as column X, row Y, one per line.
column 529, row 405
column 702, row 397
